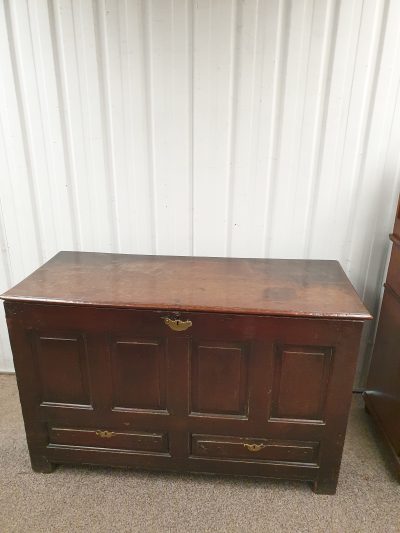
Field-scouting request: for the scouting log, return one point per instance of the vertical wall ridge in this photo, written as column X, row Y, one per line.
column 65, row 128
column 106, row 115
column 276, row 128
column 149, row 115
column 23, row 125
column 320, row 130
column 191, row 59
column 363, row 139
column 231, row 126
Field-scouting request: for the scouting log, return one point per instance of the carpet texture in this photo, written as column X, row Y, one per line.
column 94, row 499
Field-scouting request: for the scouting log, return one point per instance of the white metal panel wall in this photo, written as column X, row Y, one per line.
column 259, row 128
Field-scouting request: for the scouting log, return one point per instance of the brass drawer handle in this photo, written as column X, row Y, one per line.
column 254, row 447
column 105, row 434
column 177, row 325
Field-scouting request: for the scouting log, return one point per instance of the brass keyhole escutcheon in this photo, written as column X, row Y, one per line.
column 105, row 434
column 253, row 447
column 177, row 324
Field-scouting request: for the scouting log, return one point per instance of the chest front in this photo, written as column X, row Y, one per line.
column 162, row 387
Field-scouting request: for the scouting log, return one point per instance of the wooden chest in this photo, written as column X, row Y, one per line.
column 235, row 366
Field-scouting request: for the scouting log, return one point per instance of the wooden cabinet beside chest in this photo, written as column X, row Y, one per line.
column 382, row 397
column 236, row 366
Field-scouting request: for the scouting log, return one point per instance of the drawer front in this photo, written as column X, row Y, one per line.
column 393, row 276
column 104, row 438
column 254, row 449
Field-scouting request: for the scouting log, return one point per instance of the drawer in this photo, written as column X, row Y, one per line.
column 254, row 449
column 103, row 438
column 393, row 277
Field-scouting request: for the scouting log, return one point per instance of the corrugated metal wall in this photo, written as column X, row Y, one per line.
column 207, row 127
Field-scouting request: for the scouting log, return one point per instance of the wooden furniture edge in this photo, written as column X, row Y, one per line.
column 395, row 239
column 390, row 452
column 352, row 317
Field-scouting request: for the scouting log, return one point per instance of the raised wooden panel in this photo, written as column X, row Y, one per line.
column 138, row 374
column 250, row 449
column 62, row 366
column 300, row 384
column 219, row 379
column 117, row 440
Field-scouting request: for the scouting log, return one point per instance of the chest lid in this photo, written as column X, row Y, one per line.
column 275, row 287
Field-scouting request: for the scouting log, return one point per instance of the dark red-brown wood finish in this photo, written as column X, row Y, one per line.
column 237, row 366
column 382, row 397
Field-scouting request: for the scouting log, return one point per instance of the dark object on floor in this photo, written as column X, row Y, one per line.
column 382, row 397
column 236, row 366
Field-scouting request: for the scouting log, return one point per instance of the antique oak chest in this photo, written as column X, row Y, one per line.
column 234, row 366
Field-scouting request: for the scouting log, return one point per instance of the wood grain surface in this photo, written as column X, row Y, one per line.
column 275, row 287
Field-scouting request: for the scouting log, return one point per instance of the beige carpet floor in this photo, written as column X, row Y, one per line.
column 91, row 499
